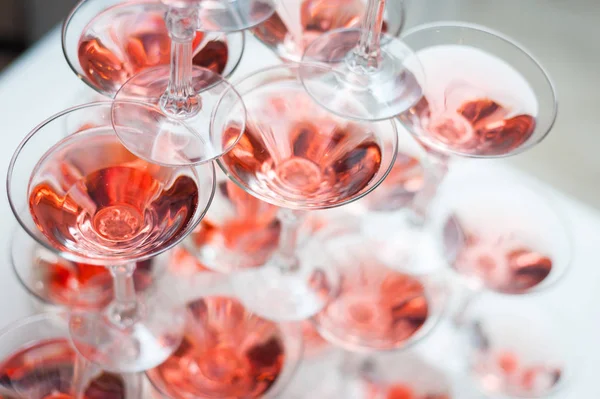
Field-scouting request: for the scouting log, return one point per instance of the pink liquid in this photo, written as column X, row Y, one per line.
column 402, row 391
column 183, row 262
column 71, row 284
column 376, row 306
column 91, row 196
column 316, row 18
column 472, row 122
column 245, row 228
column 226, row 353
column 312, row 340
column 126, row 39
column 301, row 155
column 400, row 186
column 44, row 370
column 501, row 263
column 505, row 372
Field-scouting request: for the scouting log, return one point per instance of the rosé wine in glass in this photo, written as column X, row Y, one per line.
column 483, row 94
column 377, row 307
column 45, row 370
column 226, row 352
column 305, row 157
column 473, row 103
column 296, row 23
column 502, row 262
column 90, row 195
column 299, row 157
column 125, row 39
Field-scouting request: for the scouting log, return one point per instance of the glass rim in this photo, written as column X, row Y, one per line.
column 269, row 200
column 65, row 31
column 22, row 282
column 451, row 24
column 34, row 318
column 75, row 257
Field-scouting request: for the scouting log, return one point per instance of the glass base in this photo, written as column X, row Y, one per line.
column 356, row 91
column 233, row 15
column 281, row 295
column 154, row 131
column 142, row 346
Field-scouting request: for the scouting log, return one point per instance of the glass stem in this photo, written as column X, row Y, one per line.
column 367, row 56
column 354, row 368
column 433, row 178
column 465, row 296
column 288, row 239
column 124, row 310
column 81, row 369
column 180, row 99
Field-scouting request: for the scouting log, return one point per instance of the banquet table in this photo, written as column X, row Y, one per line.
column 40, row 84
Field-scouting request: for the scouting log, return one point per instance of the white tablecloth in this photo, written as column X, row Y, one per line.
column 40, row 84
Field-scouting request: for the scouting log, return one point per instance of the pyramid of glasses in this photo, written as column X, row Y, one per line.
column 200, row 238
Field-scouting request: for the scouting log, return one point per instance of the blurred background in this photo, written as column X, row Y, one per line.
column 23, row 22
column 563, row 34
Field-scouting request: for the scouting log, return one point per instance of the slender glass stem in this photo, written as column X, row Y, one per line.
column 434, row 177
column 124, row 310
column 367, row 56
column 81, row 371
column 180, row 99
column 465, row 294
column 354, row 368
column 288, row 239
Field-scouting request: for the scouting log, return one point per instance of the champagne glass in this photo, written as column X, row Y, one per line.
column 229, row 352
column 485, row 97
column 38, row 361
column 373, row 69
column 296, row 23
column 298, row 156
column 500, row 233
column 83, row 195
column 379, row 308
column 107, row 42
column 56, row 283
column 517, row 349
column 139, row 32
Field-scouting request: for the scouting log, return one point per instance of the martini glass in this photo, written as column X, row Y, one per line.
column 38, row 361
column 485, row 97
column 107, row 42
column 502, row 234
column 228, row 352
column 379, row 307
column 123, row 51
column 518, row 349
column 373, row 69
column 86, row 197
column 298, row 156
column 296, row 23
